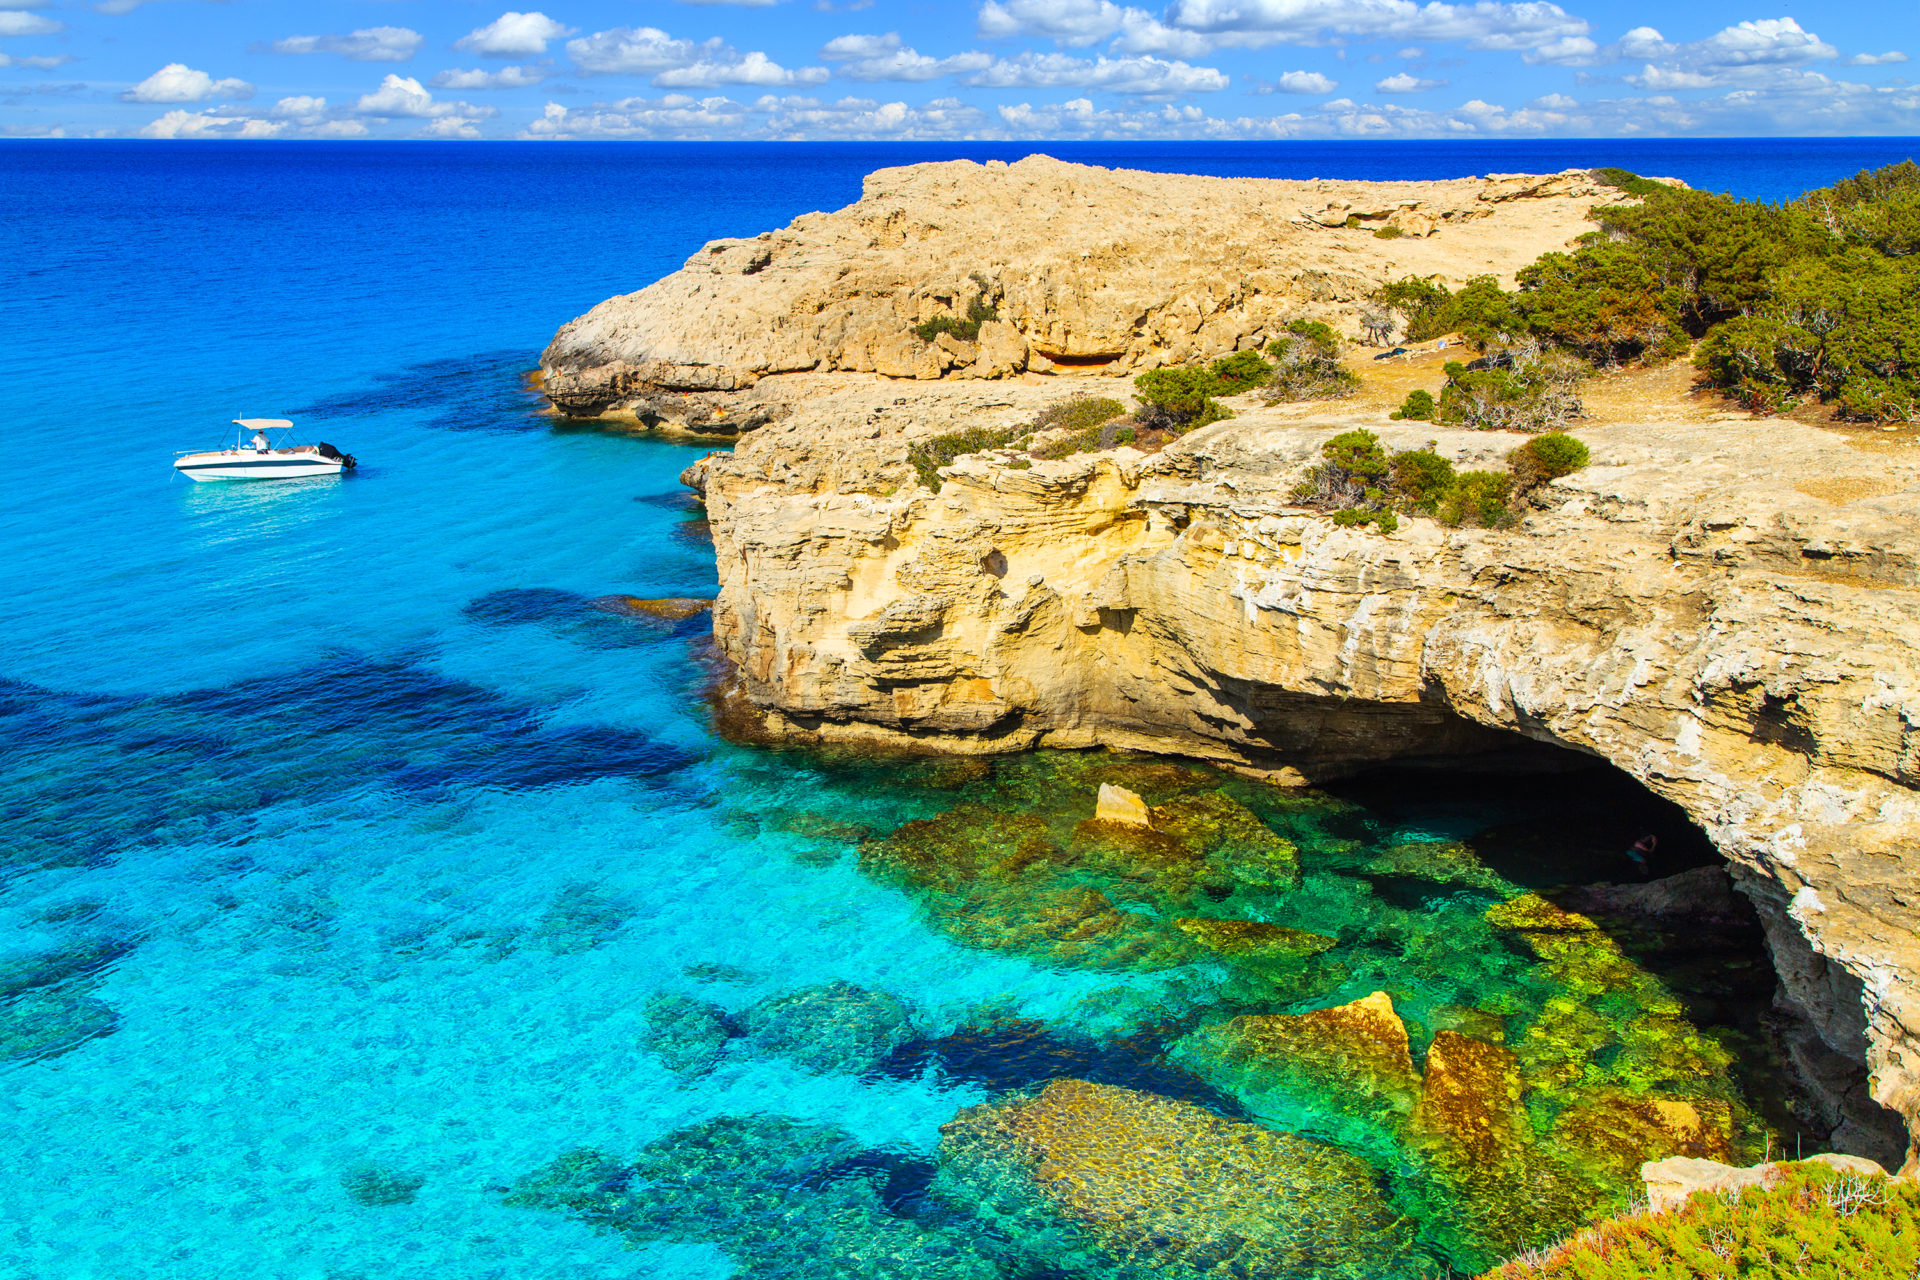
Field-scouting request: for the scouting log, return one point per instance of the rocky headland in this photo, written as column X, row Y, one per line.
column 1723, row 608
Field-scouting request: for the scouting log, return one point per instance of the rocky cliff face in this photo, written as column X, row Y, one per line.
column 1084, row 267
column 1726, row 611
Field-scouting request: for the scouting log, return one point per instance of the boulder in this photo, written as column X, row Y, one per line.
column 1117, row 804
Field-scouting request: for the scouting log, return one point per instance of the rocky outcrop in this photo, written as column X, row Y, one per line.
column 1727, row 611
column 1078, row 267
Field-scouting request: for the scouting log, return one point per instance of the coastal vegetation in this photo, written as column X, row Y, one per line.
column 1360, row 483
column 979, row 312
column 1816, row 299
column 1815, row 1223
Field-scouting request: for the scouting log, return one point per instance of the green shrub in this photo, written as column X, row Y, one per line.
column 979, row 311
column 1533, row 392
column 929, row 455
column 1421, row 478
column 1241, row 371
column 1309, row 365
column 1350, row 482
column 1178, row 400
column 1078, row 413
column 1478, row 498
column 1626, row 180
column 1546, row 457
column 1424, row 306
column 1814, row 1224
column 1388, row 233
column 1418, row 406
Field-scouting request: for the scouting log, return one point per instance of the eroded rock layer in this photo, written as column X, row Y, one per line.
column 1724, row 611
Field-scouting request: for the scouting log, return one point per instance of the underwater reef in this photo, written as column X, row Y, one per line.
column 1334, row 1046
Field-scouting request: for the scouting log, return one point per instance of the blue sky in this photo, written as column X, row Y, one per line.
column 986, row 69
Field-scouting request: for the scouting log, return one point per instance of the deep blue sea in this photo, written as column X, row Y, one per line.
column 338, row 832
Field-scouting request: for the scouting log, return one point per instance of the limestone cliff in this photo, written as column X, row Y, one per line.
column 1727, row 611
column 1083, row 266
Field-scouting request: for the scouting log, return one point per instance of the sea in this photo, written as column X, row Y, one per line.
column 357, row 856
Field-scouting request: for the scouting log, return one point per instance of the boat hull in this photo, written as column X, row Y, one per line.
column 248, row 465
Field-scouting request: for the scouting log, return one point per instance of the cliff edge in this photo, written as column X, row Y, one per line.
column 1082, row 268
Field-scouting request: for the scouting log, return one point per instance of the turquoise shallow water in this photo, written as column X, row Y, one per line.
column 338, row 830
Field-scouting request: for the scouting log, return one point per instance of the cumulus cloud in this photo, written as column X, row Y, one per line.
column 1143, row 76
column 1876, row 59
column 885, row 58
column 519, row 77
column 406, row 98
column 14, row 22
column 1745, row 54
column 630, row 50
column 211, row 124
column 1405, row 83
column 753, row 68
column 1297, row 82
column 177, row 82
column 1193, row 27
column 674, row 116
column 369, row 44
column 513, row 35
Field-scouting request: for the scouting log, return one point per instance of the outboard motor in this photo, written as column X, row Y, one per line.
column 327, row 451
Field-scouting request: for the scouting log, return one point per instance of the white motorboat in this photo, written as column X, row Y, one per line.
column 264, row 449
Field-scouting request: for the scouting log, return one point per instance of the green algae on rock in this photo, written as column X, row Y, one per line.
column 373, row 1186
column 779, row 1196
column 687, row 1035
column 1153, row 1187
column 832, row 1027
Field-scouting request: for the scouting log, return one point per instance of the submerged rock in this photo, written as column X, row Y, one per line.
column 1117, row 804
column 780, row 1197
column 667, row 609
column 1149, row 1186
column 687, row 1035
column 43, row 1022
column 833, row 1027
column 373, row 1185
column 581, row 918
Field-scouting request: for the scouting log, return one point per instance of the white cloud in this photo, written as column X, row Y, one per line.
column 1555, row 102
column 405, row 97
column 1140, row 76
column 673, row 116
column 15, row 23
column 449, row 127
column 1404, row 83
column 629, row 50
column 302, row 107
column 1068, row 22
column 37, row 63
column 1876, row 59
column 369, row 44
column 752, row 68
column 519, row 77
column 211, row 124
column 1298, row 82
column 177, row 82
column 1568, row 51
column 513, row 35
column 1769, row 40
column 1667, row 79
column 1746, row 55
column 1194, row 27
column 885, row 58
